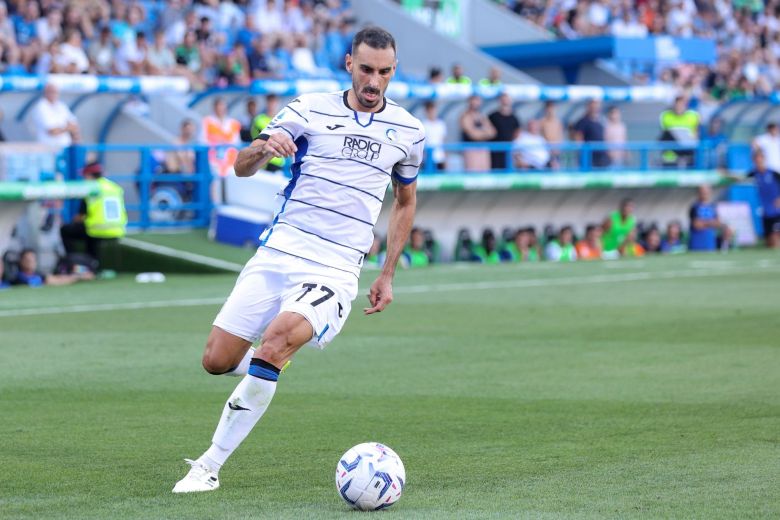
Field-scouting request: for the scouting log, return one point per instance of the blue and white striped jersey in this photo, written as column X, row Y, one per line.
column 342, row 169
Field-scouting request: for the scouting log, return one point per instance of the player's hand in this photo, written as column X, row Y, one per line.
column 380, row 295
column 280, row 145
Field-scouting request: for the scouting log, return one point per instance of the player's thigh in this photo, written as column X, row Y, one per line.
column 323, row 297
column 255, row 299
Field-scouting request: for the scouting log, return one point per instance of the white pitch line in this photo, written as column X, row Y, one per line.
column 465, row 286
column 72, row 309
column 177, row 253
column 595, row 279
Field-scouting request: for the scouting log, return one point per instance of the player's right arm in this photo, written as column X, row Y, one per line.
column 277, row 140
column 257, row 155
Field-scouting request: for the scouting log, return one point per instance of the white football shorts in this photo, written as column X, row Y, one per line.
column 273, row 282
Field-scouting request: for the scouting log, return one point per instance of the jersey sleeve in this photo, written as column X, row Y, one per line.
column 406, row 171
column 291, row 120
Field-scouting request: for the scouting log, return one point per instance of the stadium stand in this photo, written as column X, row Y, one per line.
column 140, row 78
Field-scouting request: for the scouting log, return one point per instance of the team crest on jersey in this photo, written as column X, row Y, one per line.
column 391, row 134
column 360, row 148
column 280, row 115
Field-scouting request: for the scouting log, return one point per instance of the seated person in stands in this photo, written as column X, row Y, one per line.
column 464, row 247
column 652, row 240
column 705, row 224
column 631, row 247
column 617, row 226
column 673, row 243
column 521, row 248
column 589, row 248
column 29, row 275
column 100, row 217
column 561, row 249
column 487, row 251
column 416, row 254
column 3, row 283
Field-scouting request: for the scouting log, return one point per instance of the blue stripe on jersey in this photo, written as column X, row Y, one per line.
column 299, row 114
column 333, row 211
column 303, row 146
column 328, row 115
column 404, row 180
column 410, row 165
column 395, row 124
column 420, row 141
column 323, row 332
column 349, row 159
column 341, row 184
column 321, row 237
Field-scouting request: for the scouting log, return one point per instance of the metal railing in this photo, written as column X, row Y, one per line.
column 154, row 198
column 572, row 157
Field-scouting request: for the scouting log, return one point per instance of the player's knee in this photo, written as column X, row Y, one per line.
column 212, row 362
column 215, row 364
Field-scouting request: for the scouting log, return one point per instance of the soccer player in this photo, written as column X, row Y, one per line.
column 299, row 286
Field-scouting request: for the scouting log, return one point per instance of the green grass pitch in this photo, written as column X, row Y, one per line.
column 632, row 389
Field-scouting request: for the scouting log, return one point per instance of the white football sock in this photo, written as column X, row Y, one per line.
column 243, row 366
column 243, row 409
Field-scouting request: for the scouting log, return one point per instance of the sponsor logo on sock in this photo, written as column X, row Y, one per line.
column 236, row 407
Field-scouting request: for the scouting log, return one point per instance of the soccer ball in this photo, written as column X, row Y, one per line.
column 370, row 476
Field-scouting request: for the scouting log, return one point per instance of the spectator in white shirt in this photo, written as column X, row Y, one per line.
column 131, row 56
column 72, row 58
column 302, row 57
column 269, row 19
column 102, row 52
column 49, row 28
column 627, row 27
column 435, row 134
column 769, row 143
column 159, row 57
column 54, row 123
column 531, row 148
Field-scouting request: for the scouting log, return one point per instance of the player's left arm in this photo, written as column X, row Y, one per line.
column 401, row 219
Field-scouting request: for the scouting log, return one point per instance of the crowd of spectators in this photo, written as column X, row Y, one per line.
column 619, row 235
column 747, row 35
column 539, row 143
column 210, row 42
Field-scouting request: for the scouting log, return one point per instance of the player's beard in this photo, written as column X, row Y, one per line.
column 359, row 94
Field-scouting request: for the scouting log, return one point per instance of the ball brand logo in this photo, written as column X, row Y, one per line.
column 358, row 148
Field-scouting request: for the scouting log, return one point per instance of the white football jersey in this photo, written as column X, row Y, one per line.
column 344, row 164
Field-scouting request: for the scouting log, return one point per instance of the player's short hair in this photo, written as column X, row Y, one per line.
column 375, row 37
